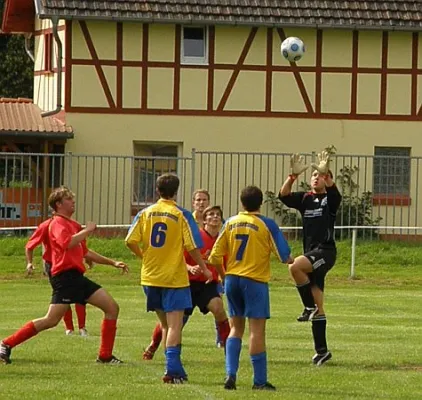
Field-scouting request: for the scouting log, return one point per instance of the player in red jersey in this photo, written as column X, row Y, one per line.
column 68, row 249
column 205, row 296
column 40, row 237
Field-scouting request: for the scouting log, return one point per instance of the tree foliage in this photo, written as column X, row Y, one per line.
column 16, row 68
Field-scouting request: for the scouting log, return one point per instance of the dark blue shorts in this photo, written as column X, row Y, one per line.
column 247, row 298
column 167, row 299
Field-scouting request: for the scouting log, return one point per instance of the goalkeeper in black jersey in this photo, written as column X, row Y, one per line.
column 318, row 209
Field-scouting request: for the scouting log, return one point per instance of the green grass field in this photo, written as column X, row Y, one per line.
column 374, row 333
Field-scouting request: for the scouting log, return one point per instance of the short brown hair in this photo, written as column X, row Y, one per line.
column 57, row 195
column 203, row 191
column 251, row 198
column 167, row 185
column 211, row 208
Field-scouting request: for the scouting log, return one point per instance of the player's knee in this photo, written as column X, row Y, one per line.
column 113, row 310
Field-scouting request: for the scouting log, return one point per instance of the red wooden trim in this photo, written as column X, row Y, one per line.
column 250, row 114
column 177, row 55
column 298, row 77
column 318, row 77
column 48, row 52
column 97, row 64
column 68, row 66
column 250, row 67
column 144, row 89
column 42, row 72
column 414, row 84
column 384, row 60
column 119, row 72
column 269, row 72
column 40, row 32
column 355, row 63
column 391, row 200
column 211, row 64
column 236, row 71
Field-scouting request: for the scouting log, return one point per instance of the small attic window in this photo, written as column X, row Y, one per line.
column 194, row 45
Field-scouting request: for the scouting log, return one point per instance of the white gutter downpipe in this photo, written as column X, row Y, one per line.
column 55, row 21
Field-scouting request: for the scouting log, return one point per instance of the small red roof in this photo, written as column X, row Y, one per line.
column 22, row 117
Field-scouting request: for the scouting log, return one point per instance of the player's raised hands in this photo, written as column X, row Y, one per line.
column 297, row 164
column 323, row 163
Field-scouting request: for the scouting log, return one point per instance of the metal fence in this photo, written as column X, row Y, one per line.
column 380, row 190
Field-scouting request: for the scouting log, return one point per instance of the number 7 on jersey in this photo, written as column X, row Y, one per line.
column 242, row 246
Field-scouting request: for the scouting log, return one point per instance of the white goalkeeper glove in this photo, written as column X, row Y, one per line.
column 297, row 164
column 323, row 163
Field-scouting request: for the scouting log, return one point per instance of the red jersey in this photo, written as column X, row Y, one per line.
column 205, row 252
column 60, row 234
column 40, row 236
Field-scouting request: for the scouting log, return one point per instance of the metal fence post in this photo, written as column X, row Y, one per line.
column 193, row 167
column 352, row 266
column 69, row 157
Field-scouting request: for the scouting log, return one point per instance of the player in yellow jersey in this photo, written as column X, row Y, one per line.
column 165, row 230
column 248, row 240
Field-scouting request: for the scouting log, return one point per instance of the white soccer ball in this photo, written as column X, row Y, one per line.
column 292, row 49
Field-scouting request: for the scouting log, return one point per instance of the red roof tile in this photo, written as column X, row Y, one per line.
column 21, row 117
column 389, row 14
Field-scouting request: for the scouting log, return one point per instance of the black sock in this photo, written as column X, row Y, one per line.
column 319, row 328
column 305, row 293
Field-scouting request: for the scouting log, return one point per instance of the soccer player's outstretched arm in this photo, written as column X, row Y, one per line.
column 333, row 195
column 297, row 166
column 34, row 241
column 278, row 243
column 192, row 242
column 99, row 259
column 219, row 250
column 134, row 236
column 82, row 235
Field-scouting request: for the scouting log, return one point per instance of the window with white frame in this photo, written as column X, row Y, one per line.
column 151, row 161
column 392, row 171
column 194, row 45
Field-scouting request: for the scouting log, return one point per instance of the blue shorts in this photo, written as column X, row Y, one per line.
column 167, row 299
column 247, row 298
column 220, row 288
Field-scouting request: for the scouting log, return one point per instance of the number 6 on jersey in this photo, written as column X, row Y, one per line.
column 158, row 234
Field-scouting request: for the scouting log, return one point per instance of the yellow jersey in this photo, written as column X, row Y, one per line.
column 248, row 240
column 164, row 231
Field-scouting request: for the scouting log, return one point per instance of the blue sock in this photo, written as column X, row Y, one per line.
column 233, row 347
column 173, row 363
column 259, row 363
column 217, row 337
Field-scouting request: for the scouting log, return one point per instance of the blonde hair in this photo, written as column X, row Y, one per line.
column 203, row 191
column 58, row 195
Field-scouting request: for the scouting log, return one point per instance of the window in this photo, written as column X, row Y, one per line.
column 48, row 52
column 392, row 171
column 150, row 162
column 194, row 45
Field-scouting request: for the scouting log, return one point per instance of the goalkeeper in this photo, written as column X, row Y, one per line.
column 318, row 209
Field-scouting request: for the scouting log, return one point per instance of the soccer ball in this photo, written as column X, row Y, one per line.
column 292, row 49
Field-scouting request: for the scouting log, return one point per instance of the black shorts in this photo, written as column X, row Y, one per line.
column 47, row 269
column 322, row 261
column 202, row 293
column 71, row 287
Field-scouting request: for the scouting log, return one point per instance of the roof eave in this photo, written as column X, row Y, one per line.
column 37, row 135
column 232, row 23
